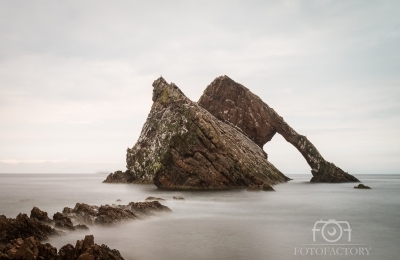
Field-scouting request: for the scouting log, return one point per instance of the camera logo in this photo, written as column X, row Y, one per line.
column 331, row 230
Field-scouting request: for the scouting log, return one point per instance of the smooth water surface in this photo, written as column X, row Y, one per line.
column 234, row 224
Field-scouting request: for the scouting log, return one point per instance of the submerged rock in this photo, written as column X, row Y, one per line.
column 233, row 103
column 154, row 198
column 183, row 146
column 361, row 186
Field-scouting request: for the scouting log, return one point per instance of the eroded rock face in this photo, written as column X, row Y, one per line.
column 233, row 103
column 183, row 146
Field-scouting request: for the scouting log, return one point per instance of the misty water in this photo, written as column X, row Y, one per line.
column 234, row 224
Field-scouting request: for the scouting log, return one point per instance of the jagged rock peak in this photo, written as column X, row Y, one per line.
column 166, row 93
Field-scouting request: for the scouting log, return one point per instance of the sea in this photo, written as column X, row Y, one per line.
column 299, row 220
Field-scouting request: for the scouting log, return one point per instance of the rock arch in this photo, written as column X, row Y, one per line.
column 231, row 102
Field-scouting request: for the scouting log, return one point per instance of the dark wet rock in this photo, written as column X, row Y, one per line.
column 118, row 200
column 262, row 187
column 67, row 252
column 332, row 174
column 87, row 249
column 40, row 215
column 118, row 177
column 29, row 248
column 82, row 213
column 233, row 103
column 109, row 215
column 62, row 221
column 178, row 198
column 183, row 146
column 154, row 198
column 142, row 209
column 361, row 186
column 23, row 227
column 81, row 227
column 32, row 249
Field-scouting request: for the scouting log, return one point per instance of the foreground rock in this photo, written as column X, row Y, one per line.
column 183, row 146
column 109, row 215
column 361, row 186
column 24, row 227
column 233, row 103
column 20, row 237
column 87, row 249
column 31, row 248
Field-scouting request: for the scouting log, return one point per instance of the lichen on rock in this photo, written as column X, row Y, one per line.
column 183, row 146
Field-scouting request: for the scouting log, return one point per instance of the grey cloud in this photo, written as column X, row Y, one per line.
column 82, row 71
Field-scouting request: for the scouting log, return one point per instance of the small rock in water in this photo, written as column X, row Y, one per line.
column 178, row 198
column 118, row 199
column 361, row 186
column 154, row 198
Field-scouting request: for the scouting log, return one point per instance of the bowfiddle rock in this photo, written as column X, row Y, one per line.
column 215, row 143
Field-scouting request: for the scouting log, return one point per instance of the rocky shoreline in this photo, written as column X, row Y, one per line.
column 22, row 237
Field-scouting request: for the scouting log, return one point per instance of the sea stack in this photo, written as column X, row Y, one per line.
column 215, row 143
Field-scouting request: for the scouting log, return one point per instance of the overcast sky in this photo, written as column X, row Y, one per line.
column 75, row 76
